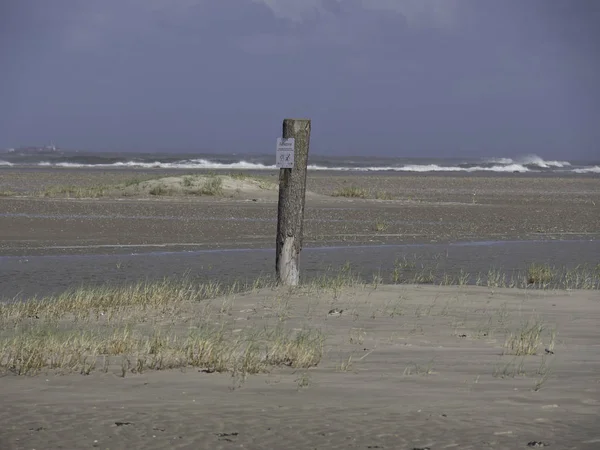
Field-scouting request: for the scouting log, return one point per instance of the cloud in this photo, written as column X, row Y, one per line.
column 295, row 10
column 438, row 13
column 310, row 23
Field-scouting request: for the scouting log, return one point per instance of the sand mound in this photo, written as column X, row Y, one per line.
column 240, row 187
column 205, row 185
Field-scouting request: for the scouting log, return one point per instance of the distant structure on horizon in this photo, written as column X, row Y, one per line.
column 46, row 149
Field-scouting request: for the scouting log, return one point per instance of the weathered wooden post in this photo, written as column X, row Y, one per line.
column 292, row 159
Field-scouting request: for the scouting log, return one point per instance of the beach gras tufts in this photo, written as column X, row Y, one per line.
column 540, row 274
column 159, row 189
column 526, row 340
column 146, row 326
column 71, row 191
column 213, row 186
column 382, row 195
column 351, row 192
column 381, row 226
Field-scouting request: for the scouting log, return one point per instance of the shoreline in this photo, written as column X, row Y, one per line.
column 216, row 248
column 505, row 263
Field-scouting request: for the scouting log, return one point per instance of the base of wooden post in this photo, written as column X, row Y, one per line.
column 289, row 274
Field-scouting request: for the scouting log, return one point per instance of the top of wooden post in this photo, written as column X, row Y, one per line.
column 299, row 124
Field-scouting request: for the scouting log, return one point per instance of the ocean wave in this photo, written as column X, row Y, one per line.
column 207, row 164
column 422, row 168
column 244, row 165
column 534, row 160
column 595, row 169
column 5, row 163
column 436, row 168
column 499, row 161
column 189, row 164
column 530, row 160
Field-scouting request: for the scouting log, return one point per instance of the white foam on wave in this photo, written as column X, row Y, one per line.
column 5, row 163
column 594, row 169
column 529, row 160
column 191, row 164
column 427, row 168
column 244, row 165
column 436, row 168
column 499, row 161
column 534, row 160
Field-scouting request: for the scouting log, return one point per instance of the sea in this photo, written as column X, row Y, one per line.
column 258, row 162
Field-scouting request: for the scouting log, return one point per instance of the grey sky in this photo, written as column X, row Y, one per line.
column 386, row 77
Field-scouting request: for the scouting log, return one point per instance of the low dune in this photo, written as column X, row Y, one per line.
column 239, row 187
column 206, row 185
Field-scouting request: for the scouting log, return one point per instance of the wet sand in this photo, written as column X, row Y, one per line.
column 29, row 276
column 422, row 209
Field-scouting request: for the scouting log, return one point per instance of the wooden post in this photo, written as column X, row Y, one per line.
column 290, row 211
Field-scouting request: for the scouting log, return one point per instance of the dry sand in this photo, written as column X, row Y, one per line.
column 404, row 368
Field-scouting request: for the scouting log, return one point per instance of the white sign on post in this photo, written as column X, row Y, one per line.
column 285, row 153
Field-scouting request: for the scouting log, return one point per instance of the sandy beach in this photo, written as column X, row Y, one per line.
column 402, row 368
column 416, row 355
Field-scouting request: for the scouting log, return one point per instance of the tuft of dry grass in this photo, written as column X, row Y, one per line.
column 381, row 226
column 71, row 191
column 351, row 192
column 400, row 267
column 212, row 186
column 419, row 369
column 425, row 276
column 136, row 181
column 381, row 195
column 302, row 349
column 540, row 274
column 261, row 181
column 525, row 341
column 336, row 279
column 6, row 193
column 159, row 189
